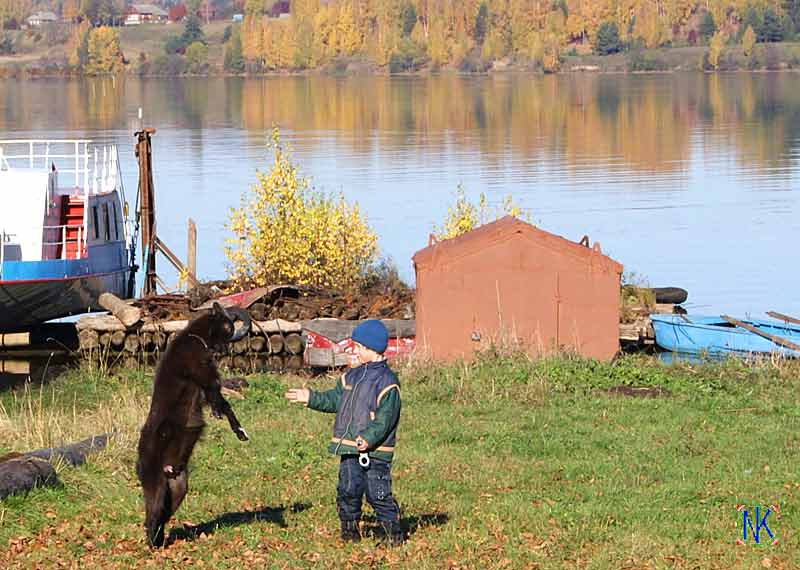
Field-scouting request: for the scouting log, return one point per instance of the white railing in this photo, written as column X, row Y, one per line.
column 60, row 233
column 93, row 170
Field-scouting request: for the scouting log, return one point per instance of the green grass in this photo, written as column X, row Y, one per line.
column 504, row 463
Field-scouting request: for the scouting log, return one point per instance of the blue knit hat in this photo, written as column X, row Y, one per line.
column 372, row 334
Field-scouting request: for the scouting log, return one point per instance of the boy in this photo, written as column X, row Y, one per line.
column 367, row 404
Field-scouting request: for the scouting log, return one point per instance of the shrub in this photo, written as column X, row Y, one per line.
column 286, row 232
column 473, row 64
column 6, row 45
column 639, row 60
column 196, row 56
column 607, row 41
column 408, row 57
column 464, row 216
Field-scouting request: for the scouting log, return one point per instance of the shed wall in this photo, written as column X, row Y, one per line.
column 518, row 290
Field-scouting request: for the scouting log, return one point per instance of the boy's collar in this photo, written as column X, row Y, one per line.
column 374, row 363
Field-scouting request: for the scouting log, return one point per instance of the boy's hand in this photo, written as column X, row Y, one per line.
column 298, row 395
column 361, row 443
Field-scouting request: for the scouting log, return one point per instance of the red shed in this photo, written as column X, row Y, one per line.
column 511, row 283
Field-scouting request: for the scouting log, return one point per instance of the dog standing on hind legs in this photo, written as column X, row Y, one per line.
column 186, row 379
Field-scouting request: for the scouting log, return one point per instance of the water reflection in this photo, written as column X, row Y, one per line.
column 689, row 179
column 641, row 122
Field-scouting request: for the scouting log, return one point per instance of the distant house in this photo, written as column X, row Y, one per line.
column 279, row 9
column 42, row 18
column 145, row 14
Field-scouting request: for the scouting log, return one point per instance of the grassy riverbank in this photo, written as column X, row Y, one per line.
column 502, row 464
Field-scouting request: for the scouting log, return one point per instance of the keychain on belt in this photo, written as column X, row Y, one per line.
column 363, row 458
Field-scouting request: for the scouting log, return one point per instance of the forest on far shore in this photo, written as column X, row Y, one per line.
column 404, row 35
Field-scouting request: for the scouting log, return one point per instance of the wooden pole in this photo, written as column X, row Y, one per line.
column 174, row 260
column 147, row 209
column 127, row 314
column 782, row 317
column 780, row 341
column 191, row 250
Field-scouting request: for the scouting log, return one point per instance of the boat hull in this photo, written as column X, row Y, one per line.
column 715, row 337
column 29, row 302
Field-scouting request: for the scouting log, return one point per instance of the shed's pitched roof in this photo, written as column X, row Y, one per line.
column 48, row 16
column 492, row 232
column 149, row 9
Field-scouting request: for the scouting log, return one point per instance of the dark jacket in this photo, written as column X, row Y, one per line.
column 367, row 403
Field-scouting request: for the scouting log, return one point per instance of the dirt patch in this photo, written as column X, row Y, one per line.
column 639, row 391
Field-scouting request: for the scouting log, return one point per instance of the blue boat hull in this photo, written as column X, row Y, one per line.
column 28, row 303
column 33, row 292
column 715, row 337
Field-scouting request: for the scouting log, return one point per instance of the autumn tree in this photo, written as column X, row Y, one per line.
column 748, row 41
column 104, row 53
column 78, row 46
column 715, row 48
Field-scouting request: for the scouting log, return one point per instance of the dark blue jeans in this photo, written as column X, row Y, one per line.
column 375, row 481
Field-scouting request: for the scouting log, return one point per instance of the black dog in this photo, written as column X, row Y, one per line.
column 186, row 379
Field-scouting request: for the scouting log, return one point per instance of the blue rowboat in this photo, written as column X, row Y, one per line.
column 714, row 336
column 63, row 232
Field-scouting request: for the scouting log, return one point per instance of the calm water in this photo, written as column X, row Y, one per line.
column 688, row 180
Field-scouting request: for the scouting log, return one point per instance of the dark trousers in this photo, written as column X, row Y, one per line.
column 375, row 481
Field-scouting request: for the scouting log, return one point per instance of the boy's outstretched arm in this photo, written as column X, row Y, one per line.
column 386, row 417
column 326, row 401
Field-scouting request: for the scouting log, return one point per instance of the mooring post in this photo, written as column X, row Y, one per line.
column 147, row 209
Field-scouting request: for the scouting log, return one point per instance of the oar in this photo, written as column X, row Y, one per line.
column 780, row 341
column 782, row 317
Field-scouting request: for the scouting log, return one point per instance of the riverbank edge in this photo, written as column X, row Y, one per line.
column 765, row 58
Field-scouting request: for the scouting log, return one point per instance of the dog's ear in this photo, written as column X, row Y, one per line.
column 217, row 309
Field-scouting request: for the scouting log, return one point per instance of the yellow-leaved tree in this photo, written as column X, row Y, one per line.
column 715, row 48
column 748, row 41
column 287, row 232
column 464, row 216
column 105, row 54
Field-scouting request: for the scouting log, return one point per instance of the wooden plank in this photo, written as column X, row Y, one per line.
column 326, row 358
column 630, row 331
column 782, row 317
column 109, row 323
column 175, row 261
column 277, row 326
column 780, row 341
column 191, row 250
column 338, row 330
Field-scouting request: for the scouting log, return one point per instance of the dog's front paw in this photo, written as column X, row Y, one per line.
column 241, row 434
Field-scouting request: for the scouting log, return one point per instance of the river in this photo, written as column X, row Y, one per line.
column 688, row 180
